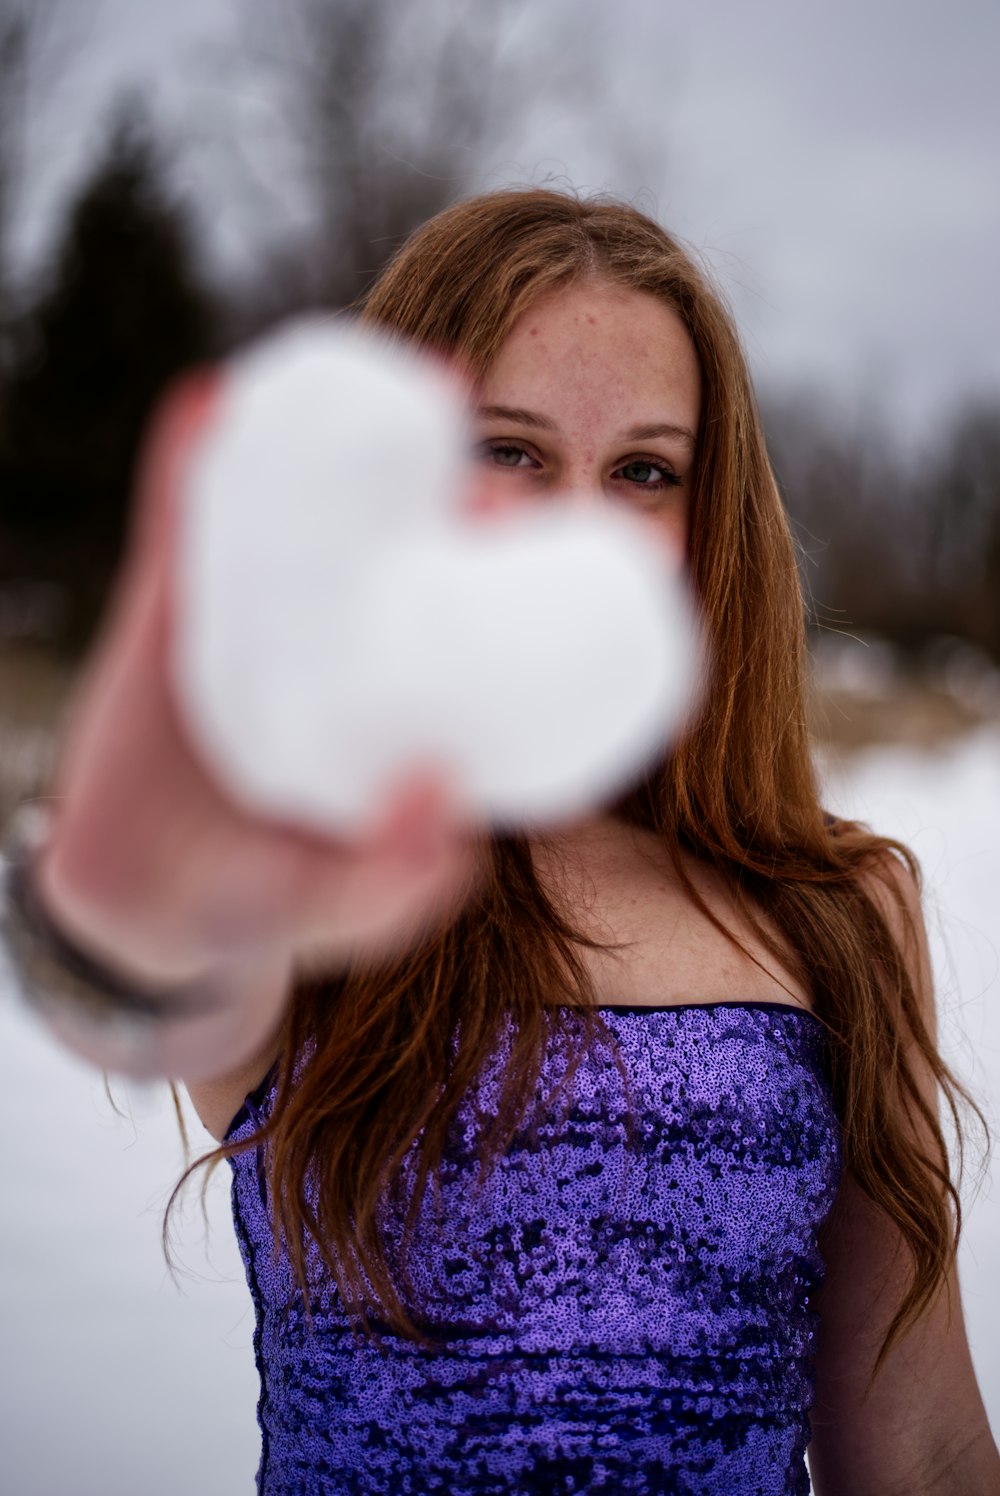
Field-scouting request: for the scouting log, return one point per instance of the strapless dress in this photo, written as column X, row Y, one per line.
column 613, row 1312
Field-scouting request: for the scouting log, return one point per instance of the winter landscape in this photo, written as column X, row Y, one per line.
column 174, row 180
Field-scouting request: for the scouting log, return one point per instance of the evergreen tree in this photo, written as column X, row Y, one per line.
column 122, row 313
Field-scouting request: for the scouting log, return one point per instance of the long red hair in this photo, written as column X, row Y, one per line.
column 368, row 1066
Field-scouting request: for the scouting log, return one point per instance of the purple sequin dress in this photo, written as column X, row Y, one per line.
column 607, row 1316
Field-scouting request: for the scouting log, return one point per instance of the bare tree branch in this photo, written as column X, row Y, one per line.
column 17, row 23
column 29, row 30
column 391, row 104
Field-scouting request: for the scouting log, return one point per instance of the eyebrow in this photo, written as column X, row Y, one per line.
column 520, row 417
column 516, row 416
column 664, row 428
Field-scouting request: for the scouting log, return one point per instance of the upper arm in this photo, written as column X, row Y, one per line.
column 922, row 1427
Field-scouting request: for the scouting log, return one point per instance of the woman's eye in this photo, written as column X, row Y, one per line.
column 501, row 454
column 647, row 474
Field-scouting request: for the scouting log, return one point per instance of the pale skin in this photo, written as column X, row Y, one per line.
column 596, row 395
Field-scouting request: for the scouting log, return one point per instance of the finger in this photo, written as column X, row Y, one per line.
column 430, row 900
column 420, row 809
column 170, row 441
column 402, row 866
column 389, row 903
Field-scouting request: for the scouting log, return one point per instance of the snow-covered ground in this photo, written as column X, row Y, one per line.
column 115, row 1381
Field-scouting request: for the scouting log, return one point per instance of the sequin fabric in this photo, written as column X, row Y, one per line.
column 607, row 1315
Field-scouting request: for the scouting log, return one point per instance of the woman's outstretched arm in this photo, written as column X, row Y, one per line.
column 154, row 873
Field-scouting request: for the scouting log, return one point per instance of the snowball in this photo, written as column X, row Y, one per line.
column 342, row 619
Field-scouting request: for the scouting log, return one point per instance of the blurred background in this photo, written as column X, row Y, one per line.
column 174, row 179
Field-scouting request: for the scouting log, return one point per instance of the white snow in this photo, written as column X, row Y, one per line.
column 343, row 618
column 116, row 1382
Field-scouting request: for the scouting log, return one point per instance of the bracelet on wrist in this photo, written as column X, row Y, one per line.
column 79, row 995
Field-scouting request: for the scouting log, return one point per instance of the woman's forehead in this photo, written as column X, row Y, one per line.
column 599, row 341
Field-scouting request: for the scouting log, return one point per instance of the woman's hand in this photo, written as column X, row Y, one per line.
column 154, row 870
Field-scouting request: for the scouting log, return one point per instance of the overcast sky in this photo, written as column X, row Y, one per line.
column 837, row 164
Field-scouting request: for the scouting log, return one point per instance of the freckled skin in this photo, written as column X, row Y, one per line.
column 596, row 361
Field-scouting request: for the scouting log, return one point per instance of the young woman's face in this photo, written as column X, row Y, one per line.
column 597, row 391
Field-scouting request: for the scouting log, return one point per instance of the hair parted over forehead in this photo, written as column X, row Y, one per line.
column 466, row 276
column 376, row 1059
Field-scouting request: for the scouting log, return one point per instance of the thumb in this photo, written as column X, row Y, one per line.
column 172, row 436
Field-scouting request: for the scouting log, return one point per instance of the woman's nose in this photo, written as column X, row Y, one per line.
column 583, row 493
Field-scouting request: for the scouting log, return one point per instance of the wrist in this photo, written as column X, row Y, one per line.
column 114, row 942
column 105, row 1012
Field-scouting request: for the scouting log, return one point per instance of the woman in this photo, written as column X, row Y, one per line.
column 541, row 1143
